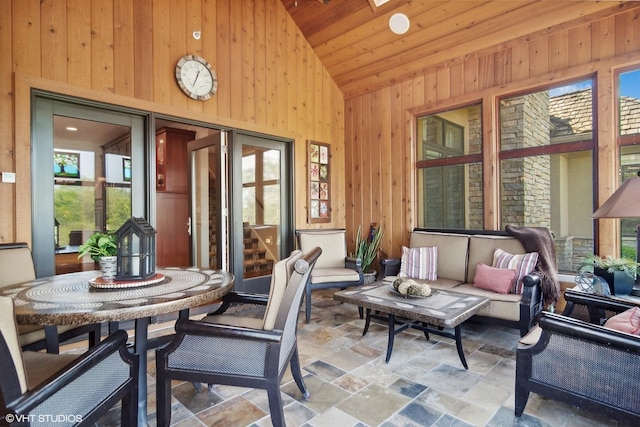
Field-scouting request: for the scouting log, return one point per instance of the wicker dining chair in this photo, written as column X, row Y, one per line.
column 246, row 353
column 43, row 389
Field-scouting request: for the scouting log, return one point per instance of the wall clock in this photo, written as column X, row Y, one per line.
column 196, row 78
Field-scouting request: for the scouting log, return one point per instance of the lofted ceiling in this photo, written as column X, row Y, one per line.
column 354, row 43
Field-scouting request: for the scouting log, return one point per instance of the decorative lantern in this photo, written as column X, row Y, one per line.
column 56, row 232
column 136, row 250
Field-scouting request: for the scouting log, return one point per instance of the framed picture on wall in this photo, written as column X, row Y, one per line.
column 319, row 182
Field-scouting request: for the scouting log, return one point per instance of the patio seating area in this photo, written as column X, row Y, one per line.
column 350, row 384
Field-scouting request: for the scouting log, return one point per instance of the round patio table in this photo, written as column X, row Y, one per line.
column 70, row 299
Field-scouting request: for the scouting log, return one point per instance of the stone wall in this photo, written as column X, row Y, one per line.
column 526, row 182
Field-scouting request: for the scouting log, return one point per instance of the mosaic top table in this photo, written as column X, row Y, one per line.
column 442, row 310
column 69, row 299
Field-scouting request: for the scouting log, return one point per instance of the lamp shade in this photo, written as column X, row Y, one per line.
column 623, row 203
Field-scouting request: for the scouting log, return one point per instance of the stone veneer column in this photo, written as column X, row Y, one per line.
column 526, row 182
column 475, row 205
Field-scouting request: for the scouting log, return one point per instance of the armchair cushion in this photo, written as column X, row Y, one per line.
column 419, row 263
column 39, row 366
column 628, row 321
column 333, row 243
column 330, row 275
column 282, row 272
column 10, row 334
column 16, row 265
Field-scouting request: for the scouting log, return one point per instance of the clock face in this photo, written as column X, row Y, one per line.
column 196, row 78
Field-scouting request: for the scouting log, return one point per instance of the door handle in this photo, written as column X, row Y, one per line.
column 189, row 226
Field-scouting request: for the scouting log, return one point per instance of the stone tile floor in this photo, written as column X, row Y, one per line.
column 424, row 383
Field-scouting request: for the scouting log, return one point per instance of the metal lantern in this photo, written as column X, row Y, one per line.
column 136, row 250
column 56, row 232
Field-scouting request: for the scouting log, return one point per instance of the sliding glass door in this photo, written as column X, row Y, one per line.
column 86, row 164
column 263, row 203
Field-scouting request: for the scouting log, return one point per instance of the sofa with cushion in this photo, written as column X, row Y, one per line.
column 491, row 264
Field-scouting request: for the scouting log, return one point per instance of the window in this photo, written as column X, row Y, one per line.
column 261, row 186
column 449, row 155
column 546, row 166
column 629, row 141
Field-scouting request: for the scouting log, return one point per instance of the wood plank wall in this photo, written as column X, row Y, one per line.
column 379, row 126
column 124, row 52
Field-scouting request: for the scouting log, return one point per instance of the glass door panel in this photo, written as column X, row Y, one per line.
column 90, row 152
column 261, row 169
column 208, row 224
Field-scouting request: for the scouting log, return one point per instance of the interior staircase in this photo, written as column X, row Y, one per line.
column 255, row 261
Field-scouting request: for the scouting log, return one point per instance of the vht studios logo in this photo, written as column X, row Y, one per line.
column 43, row 418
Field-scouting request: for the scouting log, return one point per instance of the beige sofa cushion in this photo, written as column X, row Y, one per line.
column 452, row 252
column 501, row 306
column 482, row 247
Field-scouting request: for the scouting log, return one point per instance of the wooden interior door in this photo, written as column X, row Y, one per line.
column 172, row 197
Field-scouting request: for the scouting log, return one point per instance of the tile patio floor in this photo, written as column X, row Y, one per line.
column 424, row 383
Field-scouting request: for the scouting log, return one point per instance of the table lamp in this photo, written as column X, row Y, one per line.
column 624, row 203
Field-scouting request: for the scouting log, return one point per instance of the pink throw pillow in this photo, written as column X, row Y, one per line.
column 419, row 263
column 627, row 321
column 494, row 279
column 523, row 264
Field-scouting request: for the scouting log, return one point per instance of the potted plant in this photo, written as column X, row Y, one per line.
column 620, row 273
column 103, row 249
column 367, row 250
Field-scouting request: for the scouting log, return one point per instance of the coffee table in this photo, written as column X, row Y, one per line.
column 443, row 310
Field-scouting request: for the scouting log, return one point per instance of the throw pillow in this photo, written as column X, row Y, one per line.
column 627, row 321
column 523, row 264
column 419, row 263
column 494, row 279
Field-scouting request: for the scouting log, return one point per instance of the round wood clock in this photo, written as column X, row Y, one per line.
column 196, row 78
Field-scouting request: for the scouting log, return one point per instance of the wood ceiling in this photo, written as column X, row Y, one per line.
column 353, row 40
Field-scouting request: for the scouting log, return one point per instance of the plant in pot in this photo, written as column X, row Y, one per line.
column 103, row 249
column 367, row 250
column 620, row 273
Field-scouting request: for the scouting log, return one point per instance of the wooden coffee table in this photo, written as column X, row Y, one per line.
column 443, row 310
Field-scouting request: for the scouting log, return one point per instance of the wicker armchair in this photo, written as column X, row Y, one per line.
column 581, row 364
column 243, row 352
column 334, row 268
column 42, row 389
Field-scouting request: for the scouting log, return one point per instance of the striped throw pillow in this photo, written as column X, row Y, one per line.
column 419, row 263
column 523, row 264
